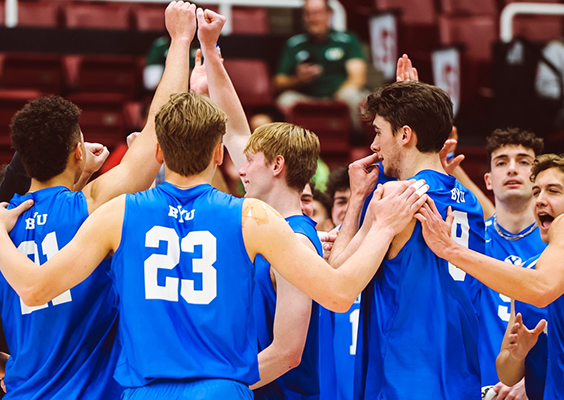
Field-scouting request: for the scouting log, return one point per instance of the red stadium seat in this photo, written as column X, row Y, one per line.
column 250, row 20
column 475, row 34
column 98, row 16
column 251, row 80
column 330, row 121
column 102, row 119
column 538, row 28
column 149, row 18
column 31, row 71
column 44, row 14
column 12, row 101
column 469, row 7
column 106, row 74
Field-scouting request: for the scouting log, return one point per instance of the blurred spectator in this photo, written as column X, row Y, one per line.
column 321, row 64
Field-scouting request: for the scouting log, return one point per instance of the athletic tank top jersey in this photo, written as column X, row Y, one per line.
column 185, row 283
column 303, row 381
column 494, row 308
column 537, row 359
column 418, row 329
column 64, row 349
column 554, row 388
column 346, row 330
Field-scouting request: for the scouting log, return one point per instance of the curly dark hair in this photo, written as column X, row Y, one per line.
column 515, row 137
column 44, row 132
column 338, row 181
column 544, row 162
column 426, row 109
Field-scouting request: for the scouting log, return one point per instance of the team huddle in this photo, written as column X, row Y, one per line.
column 112, row 290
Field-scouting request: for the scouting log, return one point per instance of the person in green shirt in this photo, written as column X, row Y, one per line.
column 322, row 63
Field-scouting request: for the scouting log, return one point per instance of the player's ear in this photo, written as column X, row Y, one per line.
column 406, row 134
column 278, row 165
column 218, row 153
column 78, row 154
column 488, row 180
column 159, row 154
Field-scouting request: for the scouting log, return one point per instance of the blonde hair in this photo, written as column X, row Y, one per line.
column 298, row 146
column 188, row 128
column 544, row 162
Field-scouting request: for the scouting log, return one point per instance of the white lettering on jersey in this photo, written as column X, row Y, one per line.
column 180, row 214
column 35, row 220
column 457, row 195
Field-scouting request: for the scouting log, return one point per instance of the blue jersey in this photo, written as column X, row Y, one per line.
column 554, row 388
column 418, row 329
column 63, row 349
column 303, row 381
column 494, row 308
column 346, row 330
column 185, row 284
column 537, row 359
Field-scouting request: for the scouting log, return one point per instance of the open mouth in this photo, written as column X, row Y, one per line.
column 545, row 219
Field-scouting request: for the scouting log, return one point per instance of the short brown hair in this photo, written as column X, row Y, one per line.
column 44, row 133
column 298, row 146
column 544, row 162
column 188, row 127
column 426, row 109
column 513, row 137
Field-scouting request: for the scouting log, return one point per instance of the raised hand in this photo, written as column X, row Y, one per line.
column 96, row 155
column 403, row 200
column 180, row 20
column 405, row 71
column 209, row 27
column 450, row 165
column 363, row 175
column 522, row 339
column 199, row 79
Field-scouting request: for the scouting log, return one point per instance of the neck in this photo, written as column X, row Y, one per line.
column 514, row 217
column 285, row 200
column 417, row 162
column 66, row 179
column 186, row 182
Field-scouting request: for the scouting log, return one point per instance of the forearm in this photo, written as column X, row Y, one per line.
column 274, row 361
column 487, row 206
column 224, row 95
column 531, row 286
column 509, row 370
column 341, row 251
column 286, row 82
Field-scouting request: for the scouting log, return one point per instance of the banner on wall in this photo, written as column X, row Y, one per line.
column 446, row 73
column 384, row 45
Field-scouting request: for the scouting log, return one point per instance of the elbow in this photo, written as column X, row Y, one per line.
column 32, row 297
column 341, row 302
column 293, row 358
column 542, row 296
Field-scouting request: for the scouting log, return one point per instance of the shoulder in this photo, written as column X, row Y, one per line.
column 295, row 41
column 343, row 37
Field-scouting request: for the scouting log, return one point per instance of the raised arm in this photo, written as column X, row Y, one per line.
column 291, row 323
column 96, row 155
column 71, row 265
column 139, row 167
column 453, row 168
column 265, row 232
column 517, row 343
column 220, row 87
column 539, row 286
column 363, row 175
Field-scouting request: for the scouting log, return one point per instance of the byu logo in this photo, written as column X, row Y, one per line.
column 457, row 195
column 180, row 214
column 515, row 260
column 36, row 219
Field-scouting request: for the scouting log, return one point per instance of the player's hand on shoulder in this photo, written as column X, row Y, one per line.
column 396, row 209
column 180, row 20
column 522, row 339
column 8, row 218
column 209, row 26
